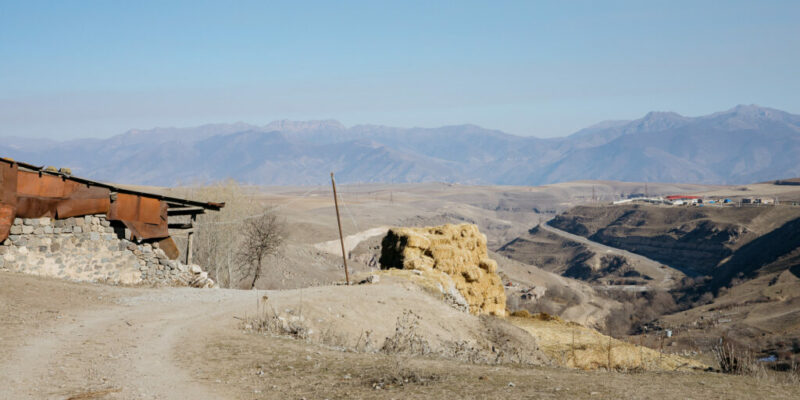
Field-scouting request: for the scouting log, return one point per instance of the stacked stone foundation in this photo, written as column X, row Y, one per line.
column 92, row 249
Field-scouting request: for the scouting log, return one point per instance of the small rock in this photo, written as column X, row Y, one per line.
column 511, row 384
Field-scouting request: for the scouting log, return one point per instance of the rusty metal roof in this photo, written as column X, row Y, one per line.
column 171, row 201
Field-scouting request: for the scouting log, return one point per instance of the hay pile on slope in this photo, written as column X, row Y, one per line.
column 457, row 253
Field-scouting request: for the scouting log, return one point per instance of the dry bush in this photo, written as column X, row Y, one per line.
column 218, row 235
column 406, row 339
column 262, row 236
column 736, row 360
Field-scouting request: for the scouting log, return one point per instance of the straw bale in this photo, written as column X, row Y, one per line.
column 458, row 253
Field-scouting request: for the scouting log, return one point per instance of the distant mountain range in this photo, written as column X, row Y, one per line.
column 741, row 145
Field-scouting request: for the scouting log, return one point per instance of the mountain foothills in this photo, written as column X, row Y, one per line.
column 740, row 145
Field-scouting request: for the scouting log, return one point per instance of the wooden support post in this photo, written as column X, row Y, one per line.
column 190, row 240
column 341, row 237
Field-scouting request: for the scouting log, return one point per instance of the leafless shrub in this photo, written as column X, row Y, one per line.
column 218, row 234
column 263, row 236
column 406, row 339
column 736, row 360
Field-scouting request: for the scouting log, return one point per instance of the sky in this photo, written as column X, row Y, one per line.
column 73, row 69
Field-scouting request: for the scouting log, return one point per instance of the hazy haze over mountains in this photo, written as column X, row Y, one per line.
column 740, row 145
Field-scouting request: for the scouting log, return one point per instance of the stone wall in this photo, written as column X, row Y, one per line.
column 92, row 249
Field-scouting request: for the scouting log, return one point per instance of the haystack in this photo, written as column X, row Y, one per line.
column 456, row 254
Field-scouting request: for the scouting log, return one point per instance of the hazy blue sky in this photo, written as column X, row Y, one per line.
column 74, row 69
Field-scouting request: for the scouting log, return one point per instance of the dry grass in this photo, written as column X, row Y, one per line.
column 735, row 359
column 93, row 394
column 246, row 367
column 269, row 321
column 573, row 345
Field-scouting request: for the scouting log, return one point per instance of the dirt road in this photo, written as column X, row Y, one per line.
column 123, row 348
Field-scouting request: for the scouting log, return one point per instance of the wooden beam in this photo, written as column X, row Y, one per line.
column 190, row 240
column 180, row 225
column 185, row 211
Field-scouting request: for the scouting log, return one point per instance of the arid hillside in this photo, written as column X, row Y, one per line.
column 733, row 270
column 720, row 242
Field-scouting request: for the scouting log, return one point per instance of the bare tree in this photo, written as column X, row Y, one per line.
column 263, row 236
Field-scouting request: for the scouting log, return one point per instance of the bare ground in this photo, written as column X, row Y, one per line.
column 79, row 341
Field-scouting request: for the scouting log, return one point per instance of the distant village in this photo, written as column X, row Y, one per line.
column 701, row 201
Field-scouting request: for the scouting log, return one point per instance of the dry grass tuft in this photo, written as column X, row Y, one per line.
column 269, row 321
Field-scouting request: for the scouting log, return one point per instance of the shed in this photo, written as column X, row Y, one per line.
column 30, row 191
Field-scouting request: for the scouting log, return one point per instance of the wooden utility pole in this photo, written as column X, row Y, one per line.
column 341, row 237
